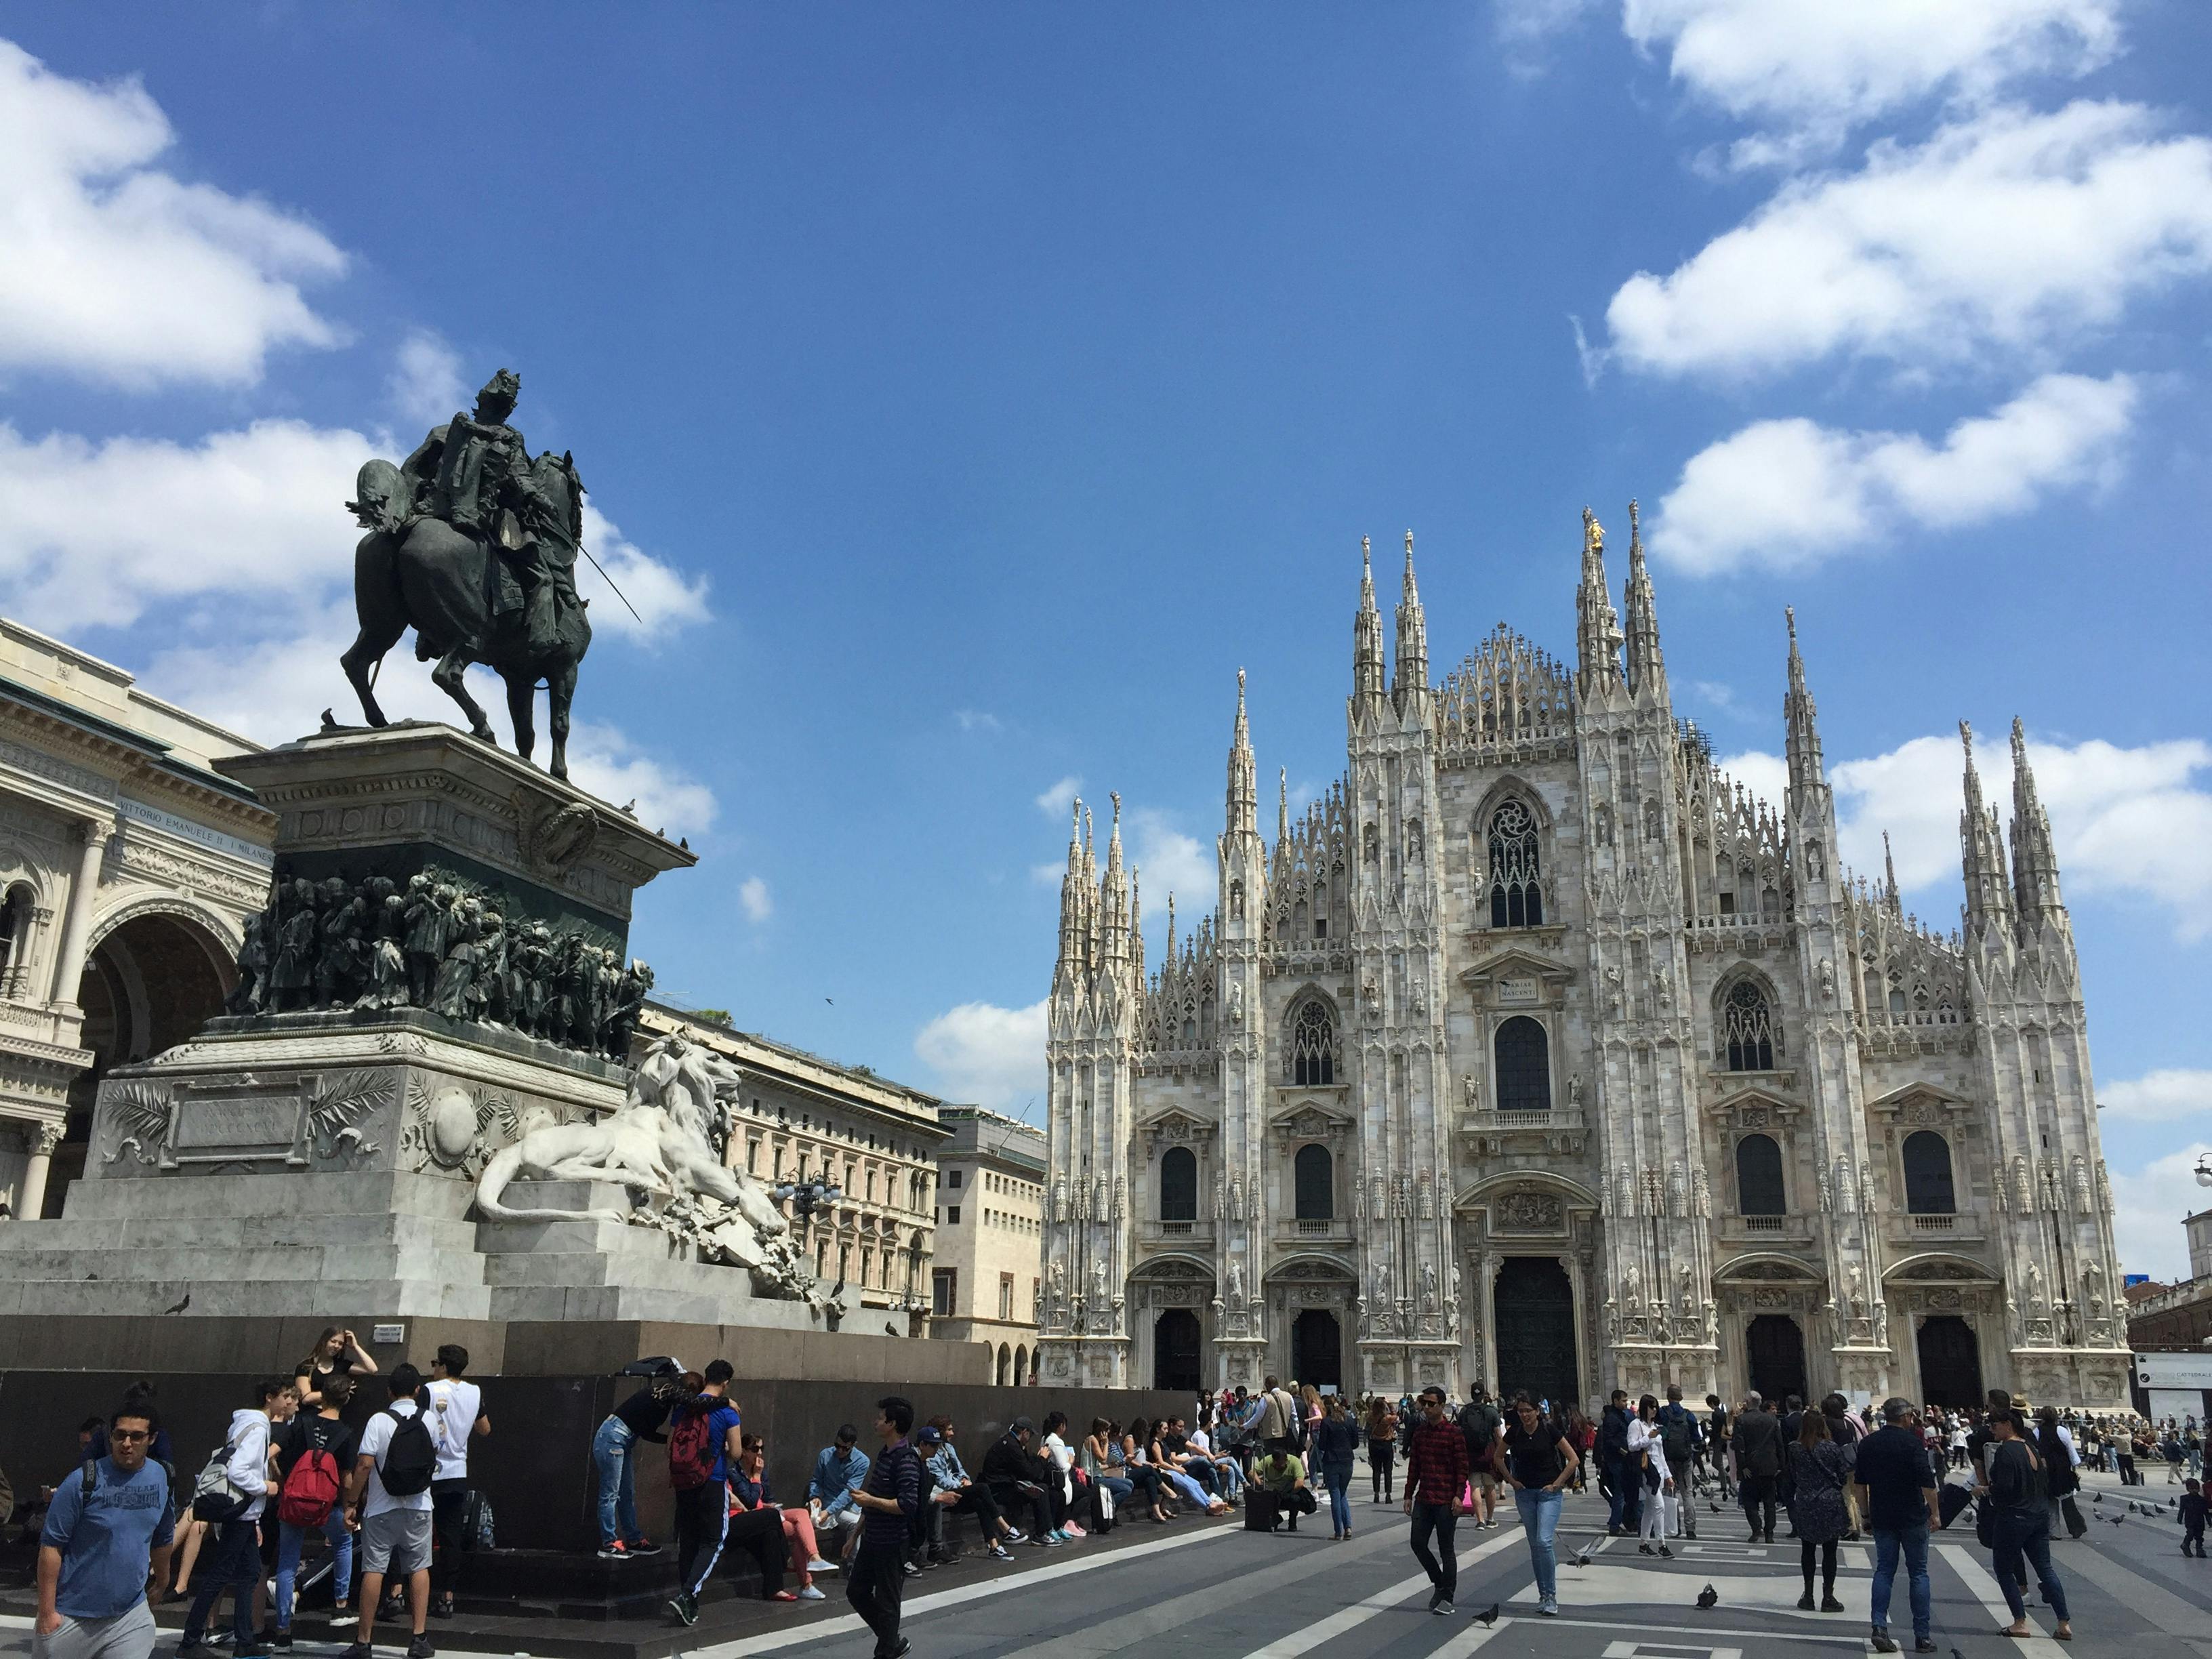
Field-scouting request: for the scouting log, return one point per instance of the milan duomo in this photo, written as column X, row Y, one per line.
column 1540, row 1053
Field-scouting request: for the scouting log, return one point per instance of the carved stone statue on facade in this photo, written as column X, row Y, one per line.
column 472, row 542
column 1827, row 978
column 1428, row 1288
column 2038, row 1303
column 2082, row 1201
column 1575, row 1089
column 1235, row 1282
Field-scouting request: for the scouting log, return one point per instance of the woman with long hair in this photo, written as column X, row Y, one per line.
column 1137, row 1467
column 749, row 1491
column 1382, row 1447
column 1334, row 1445
column 1646, row 1462
column 336, row 1350
column 1818, row 1468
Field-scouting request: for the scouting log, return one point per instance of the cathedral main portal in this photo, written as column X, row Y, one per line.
column 1535, row 1326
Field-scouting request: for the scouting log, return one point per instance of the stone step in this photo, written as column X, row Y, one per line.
column 179, row 1232
column 396, row 1297
column 296, row 1193
column 402, row 1258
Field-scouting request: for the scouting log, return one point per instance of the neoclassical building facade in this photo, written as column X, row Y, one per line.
column 1538, row 1051
column 128, row 866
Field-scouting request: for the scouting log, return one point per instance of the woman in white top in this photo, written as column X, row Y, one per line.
column 1056, row 1449
column 1659, row 1506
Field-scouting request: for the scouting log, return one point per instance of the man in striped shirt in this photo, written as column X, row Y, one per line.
column 1435, row 1473
column 891, row 1496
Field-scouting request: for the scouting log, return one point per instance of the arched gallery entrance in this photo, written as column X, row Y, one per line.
column 1775, row 1348
column 1950, row 1362
column 1175, row 1350
column 1534, row 1319
column 1317, row 1349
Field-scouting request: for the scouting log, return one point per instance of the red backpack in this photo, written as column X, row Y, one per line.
column 311, row 1490
column 692, row 1450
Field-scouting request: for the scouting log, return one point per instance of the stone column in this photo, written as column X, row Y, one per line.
column 16, row 982
column 42, row 1139
column 77, row 929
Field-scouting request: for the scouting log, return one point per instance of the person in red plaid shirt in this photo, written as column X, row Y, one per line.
column 1436, row 1473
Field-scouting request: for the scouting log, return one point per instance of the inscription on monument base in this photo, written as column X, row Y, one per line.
column 231, row 1127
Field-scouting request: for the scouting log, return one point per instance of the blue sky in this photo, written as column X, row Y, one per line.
column 966, row 394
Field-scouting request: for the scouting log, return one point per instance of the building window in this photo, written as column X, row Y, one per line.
column 1516, row 894
column 1313, row 1045
column 952, row 1177
column 1927, row 1188
column 1524, row 1065
column 1006, row 1296
column 944, row 1291
column 1315, row 1181
column 1759, row 1176
column 1178, row 1184
column 752, row 1157
column 952, row 1215
column 1748, row 1029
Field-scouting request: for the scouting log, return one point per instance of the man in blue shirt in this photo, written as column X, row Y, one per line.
column 99, row 1544
column 838, row 1472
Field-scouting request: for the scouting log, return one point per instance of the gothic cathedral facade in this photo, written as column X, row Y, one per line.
column 1539, row 1052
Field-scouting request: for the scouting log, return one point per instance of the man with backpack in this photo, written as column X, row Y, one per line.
column 705, row 1435
column 456, row 1414
column 104, row 1531
column 1478, row 1423
column 1680, row 1439
column 313, row 1455
column 389, row 1501
column 230, row 1495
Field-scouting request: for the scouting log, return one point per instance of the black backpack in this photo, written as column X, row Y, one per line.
column 1675, row 1440
column 1479, row 1422
column 411, row 1458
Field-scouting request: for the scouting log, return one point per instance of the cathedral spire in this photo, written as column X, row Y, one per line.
column 1244, row 813
column 1367, row 635
column 1645, row 665
column 1889, row 872
column 1114, row 896
column 1597, row 627
column 1410, row 673
column 1988, row 895
column 2034, row 860
column 1802, row 742
column 1282, row 810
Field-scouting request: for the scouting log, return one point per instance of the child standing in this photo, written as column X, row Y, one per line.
column 2192, row 1507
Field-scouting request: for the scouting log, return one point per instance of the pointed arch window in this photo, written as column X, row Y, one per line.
column 1748, row 1029
column 1178, row 1184
column 1524, row 1065
column 1313, row 1046
column 1759, row 1176
column 1927, row 1188
column 1516, row 893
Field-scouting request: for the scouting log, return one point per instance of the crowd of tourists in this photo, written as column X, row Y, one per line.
column 391, row 1500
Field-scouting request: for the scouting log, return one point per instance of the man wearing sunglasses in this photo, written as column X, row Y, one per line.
column 107, row 1529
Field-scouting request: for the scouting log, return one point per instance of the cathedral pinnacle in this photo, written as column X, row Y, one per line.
column 2034, row 860
column 1597, row 626
column 1889, row 872
column 1244, row 806
column 1645, row 665
column 1412, row 669
column 1282, row 809
column 1989, row 893
column 1367, row 634
column 1802, row 741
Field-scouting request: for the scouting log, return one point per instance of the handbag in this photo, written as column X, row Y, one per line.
column 215, row 1496
column 2076, row 1523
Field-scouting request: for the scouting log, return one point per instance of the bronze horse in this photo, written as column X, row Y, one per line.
column 417, row 572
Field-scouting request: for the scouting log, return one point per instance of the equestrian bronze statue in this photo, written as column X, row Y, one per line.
column 473, row 543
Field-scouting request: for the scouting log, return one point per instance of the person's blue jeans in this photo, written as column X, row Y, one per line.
column 1539, row 1515
column 2016, row 1537
column 236, row 1567
column 1338, row 1481
column 1912, row 1541
column 614, row 1450
column 289, row 1538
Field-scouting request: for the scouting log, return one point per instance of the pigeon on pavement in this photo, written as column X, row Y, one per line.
column 1707, row 1596
column 1488, row 1615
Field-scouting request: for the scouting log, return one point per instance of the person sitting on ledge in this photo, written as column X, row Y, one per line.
column 838, row 1472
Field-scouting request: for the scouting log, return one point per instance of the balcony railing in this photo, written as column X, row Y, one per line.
column 1178, row 1229
column 1307, row 1229
column 1765, row 1224
column 1934, row 1224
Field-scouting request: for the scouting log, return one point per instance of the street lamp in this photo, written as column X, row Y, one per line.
column 805, row 1196
column 2205, row 1171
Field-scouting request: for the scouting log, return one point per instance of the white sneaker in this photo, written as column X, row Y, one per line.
column 808, row 1593
column 822, row 1566
column 1548, row 1607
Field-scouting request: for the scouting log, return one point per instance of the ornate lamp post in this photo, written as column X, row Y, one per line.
column 2205, row 1171
column 806, row 1195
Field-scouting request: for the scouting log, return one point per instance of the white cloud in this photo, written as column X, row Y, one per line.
column 667, row 599
column 977, row 720
column 2160, row 1096
column 604, row 760
column 121, row 273
column 986, row 1055
column 1814, row 69
column 425, row 385
column 1056, row 800
column 2009, row 232
column 753, row 895
column 1172, row 862
column 99, row 534
column 2126, row 822
column 2149, row 1206
column 1786, row 494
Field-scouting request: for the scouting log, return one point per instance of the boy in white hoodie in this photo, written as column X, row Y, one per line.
column 237, row 1563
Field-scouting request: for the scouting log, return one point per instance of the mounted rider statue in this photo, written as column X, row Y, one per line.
column 473, row 543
